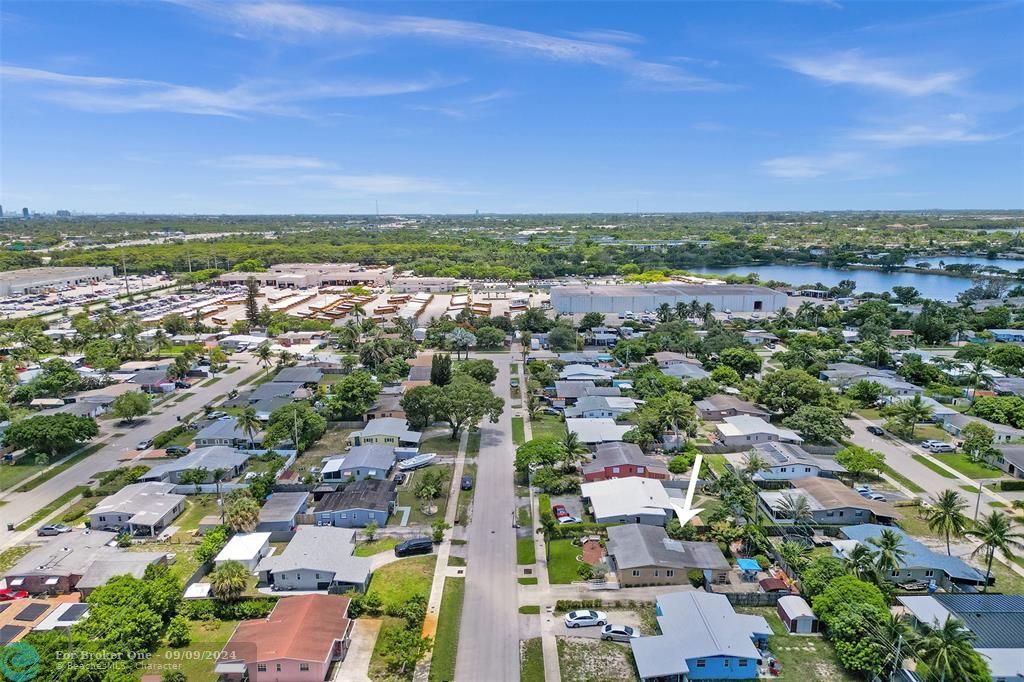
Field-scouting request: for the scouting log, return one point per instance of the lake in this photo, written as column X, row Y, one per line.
column 937, row 287
column 1011, row 264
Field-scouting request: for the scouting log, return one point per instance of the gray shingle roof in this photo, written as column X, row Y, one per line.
column 302, row 375
column 321, row 548
column 636, row 545
column 282, row 507
column 619, row 453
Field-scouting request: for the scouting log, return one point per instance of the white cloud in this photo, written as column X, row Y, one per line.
column 853, row 68
column 825, row 3
column 608, row 35
column 954, row 129
column 279, row 18
column 266, row 162
column 850, row 165
column 128, row 95
column 373, row 183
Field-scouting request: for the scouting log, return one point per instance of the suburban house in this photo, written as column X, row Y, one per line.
column 568, row 392
column 717, row 407
column 307, row 376
column 746, row 430
column 386, row 431
column 1008, row 335
column 919, row 565
column 939, row 411
column 705, row 639
column 272, row 389
column 759, row 337
column 830, row 502
column 266, row 407
column 360, row 503
column 595, row 407
column 362, row 461
column 629, row 500
column 1011, row 459
column 209, row 458
column 77, row 560
column 317, row 558
column 994, row 619
column 585, row 373
column 297, row 642
column 247, row 549
column 686, row 371
column 898, row 387
column 227, row 433
column 594, row 431
column 786, row 461
column 279, row 514
column 796, row 615
column 619, row 460
column 668, row 358
column 153, row 381
column 1007, row 385
column 142, row 508
column 387, row 405
column 954, row 424
column 639, row 554
column 843, row 374
column 588, row 357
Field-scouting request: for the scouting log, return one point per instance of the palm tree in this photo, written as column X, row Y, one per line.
column 264, row 356
column 890, row 556
column 682, row 310
column 860, row 563
column 677, row 412
column 795, row 554
column 285, row 359
column 893, row 634
column 243, row 513
column 996, row 534
column 218, row 475
column 753, row 463
column 525, row 338
column 664, row 312
column 707, row 313
column 573, row 450
column 946, row 516
column 357, row 311
column 229, row 580
column 160, row 340
column 249, row 424
column 947, row 650
column 795, row 507
column 348, row 335
column 911, row 412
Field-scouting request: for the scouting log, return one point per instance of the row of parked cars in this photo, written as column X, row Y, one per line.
column 610, row 632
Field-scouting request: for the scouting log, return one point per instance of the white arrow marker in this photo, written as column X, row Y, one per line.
column 685, row 513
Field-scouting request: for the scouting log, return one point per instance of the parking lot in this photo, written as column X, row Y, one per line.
column 74, row 297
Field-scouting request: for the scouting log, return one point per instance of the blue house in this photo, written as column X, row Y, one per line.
column 705, row 640
column 357, row 505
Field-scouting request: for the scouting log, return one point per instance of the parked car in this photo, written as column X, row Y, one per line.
column 467, row 482
column 927, row 444
column 53, row 530
column 876, row 430
column 568, row 519
column 875, row 496
column 216, row 415
column 400, row 478
column 177, row 450
column 619, row 633
column 551, row 410
column 8, row 594
column 414, row 546
column 941, row 447
column 145, row 444
column 559, row 511
column 863, row 489
column 585, row 618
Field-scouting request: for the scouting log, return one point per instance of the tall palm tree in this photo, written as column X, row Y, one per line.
column 285, row 359
column 996, row 534
column 249, row 424
column 707, row 313
column 525, row 338
column 860, row 563
column 891, row 555
column 664, row 312
column 753, row 463
column 358, row 311
column 893, row 634
column 911, row 412
column 160, row 340
column 573, row 449
column 795, row 507
column 682, row 310
column 264, row 356
column 947, row 650
column 229, row 580
column 677, row 413
column 348, row 334
column 946, row 516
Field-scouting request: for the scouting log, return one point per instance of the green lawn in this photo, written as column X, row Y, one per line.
column 446, row 639
column 526, row 553
column 592, row 660
column 562, row 565
column 529, row 609
column 398, row 582
column 197, row 659
column 547, row 426
column 807, row 659
column 965, row 466
column 473, row 445
column 517, row 431
column 528, row 580
column 524, row 517
column 869, row 413
column 377, row 546
column 466, row 496
column 907, row 483
column 442, row 445
column 60, row 467
column 531, row 661
column 46, row 510
column 921, row 459
column 717, row 464
column 406, row 498
column 13, row 474
column 931, row 432
column 196, row 507
column 332, row 444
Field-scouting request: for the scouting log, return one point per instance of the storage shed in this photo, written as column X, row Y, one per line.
column 797, row 616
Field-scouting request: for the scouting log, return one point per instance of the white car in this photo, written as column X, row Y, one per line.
column 928, row 444
column 875, row 496
column 619, row 633
column 863, row 489
column 585, row 618
column 569, row 519
column 942, row 447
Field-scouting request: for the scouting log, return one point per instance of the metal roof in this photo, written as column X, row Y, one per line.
column 917, row 554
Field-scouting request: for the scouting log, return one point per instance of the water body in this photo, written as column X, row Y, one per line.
column 1011, row 264
column 937, row 287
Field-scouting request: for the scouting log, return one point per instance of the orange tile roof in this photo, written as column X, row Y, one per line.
column 302, row 628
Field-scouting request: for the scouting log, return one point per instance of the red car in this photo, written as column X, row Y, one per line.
column 10, row 595
column 559, row 511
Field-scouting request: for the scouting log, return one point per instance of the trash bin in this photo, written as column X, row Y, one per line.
column 10, row 526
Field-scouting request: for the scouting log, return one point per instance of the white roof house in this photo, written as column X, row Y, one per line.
column 629, row 500
column 747, row 430
column 245, row 548
column 584, row 372
column 385, row 431
column 148, row 505
column 601, row 406
column 599, row 430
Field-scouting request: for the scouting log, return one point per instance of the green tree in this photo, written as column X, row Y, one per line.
column 591, row 320
column 464, row 403
column 264, row 356
column 194, row 477
column 562, row 337
column 249, row 424
column 859, row 461
column 243, row 513
column 948, row 650
column 418, row 404
column 252, row 308
column 428, row 488
column 890, row 555
column 908, row 413
column 865, row 392
column 746, row 362
column 218, row 360
column 946, row 516
column 977, row 439
column 539, row 452
column 489, row 338
column 53, row 434
column 441, row 369
column 352, row 396
column 483, row 371
column 178, row 633
column 843, row 591
column 1007, row 357
column 228, row 581
column 818, row 424
column 130, row 406
column 294, row 420
column 996, row 533
column 402, row 648
column 788, row 390
column 819, row 574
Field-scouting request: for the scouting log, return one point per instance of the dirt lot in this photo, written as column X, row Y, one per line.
column 588, row 660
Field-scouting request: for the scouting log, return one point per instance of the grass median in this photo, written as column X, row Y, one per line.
column 62, row 466
column 446, row 639
column 52, row 507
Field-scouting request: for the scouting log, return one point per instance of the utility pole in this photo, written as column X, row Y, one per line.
column 897, row 662
column 977, row 503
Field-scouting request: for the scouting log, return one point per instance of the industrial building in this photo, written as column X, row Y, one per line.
column 639, row 298
column 303, row 275
column 37, row 280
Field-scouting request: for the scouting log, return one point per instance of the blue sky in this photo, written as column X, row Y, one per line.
column 288, row 107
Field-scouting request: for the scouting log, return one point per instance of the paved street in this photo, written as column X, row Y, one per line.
column 489, row 636
column 19, row 506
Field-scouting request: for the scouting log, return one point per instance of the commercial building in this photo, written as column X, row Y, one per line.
column 303, row 275
column 36, row 280
column 640, row 297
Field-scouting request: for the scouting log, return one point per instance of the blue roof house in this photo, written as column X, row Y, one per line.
column 705, row 639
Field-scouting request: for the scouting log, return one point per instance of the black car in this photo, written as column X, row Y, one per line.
column 467, row 482
column 414, row 546
column 399, row 478
column 176, row 451
column 876, row 430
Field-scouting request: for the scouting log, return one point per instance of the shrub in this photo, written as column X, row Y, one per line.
column 209, row 609
column 682, row 463
column 1008, row 486
column 696, row 577
column 165, row 437
column 763, row 562
column 178, row 632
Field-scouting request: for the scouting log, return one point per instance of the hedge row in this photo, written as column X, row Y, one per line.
column 210, row 609
column 1008, row 486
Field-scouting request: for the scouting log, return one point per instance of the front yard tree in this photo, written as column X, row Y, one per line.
column 946, row 516
column 428, row 488
column 418, row 404
column 130, row 406
column 745, row 362
column 52, row 434
column 297, row 421
column 859, row 461
column 441, row 369
column 489, row 338
column 350, row 398
column 865, row 393
column 818, row 424
column 483, row 371
column 788, row 390
column 465, row 402
column 977, row 440
column 229, row 580
column 218, row 360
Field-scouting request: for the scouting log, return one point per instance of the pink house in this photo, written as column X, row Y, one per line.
column 297, row 642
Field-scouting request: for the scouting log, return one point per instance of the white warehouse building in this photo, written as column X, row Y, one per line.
column 639, row 298
column 35, row 280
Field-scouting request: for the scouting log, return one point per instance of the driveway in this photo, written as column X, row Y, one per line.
column 356, row 666
column 615, row 617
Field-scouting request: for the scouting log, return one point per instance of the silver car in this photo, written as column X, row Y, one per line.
column 585, row 618
column 619, row 633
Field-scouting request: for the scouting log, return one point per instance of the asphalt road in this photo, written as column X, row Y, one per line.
column 19, row 506
column 489, row 635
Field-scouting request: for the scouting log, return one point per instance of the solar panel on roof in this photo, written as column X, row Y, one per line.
column 74, row 612
column 32, row 611
column 3, row 607
column 8, row 633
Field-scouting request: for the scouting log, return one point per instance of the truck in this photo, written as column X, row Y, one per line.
column 534, row 344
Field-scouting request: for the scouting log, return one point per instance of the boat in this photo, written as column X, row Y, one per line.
column 417, row 462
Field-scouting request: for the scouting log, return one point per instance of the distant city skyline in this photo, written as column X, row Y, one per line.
column 205, row 107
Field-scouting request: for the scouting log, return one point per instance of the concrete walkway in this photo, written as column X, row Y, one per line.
column 356, row 666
